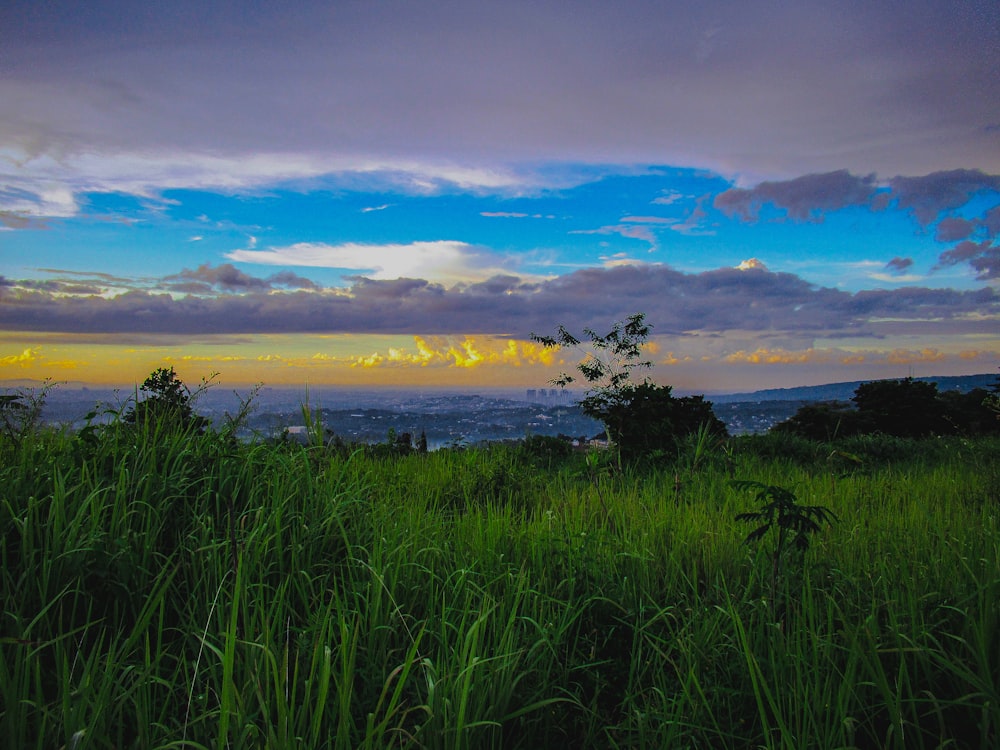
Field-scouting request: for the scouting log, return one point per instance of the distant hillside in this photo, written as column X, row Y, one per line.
column 844, row 391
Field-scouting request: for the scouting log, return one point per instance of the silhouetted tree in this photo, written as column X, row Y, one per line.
column 822, row 421
column 639, row 418
column 904, row 408
column 167, row 401
column 646, row 417
column 970, row 413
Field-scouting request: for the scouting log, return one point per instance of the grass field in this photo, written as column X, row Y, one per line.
column 167, row 589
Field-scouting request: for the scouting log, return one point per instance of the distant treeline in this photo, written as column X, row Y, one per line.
column 901, row 408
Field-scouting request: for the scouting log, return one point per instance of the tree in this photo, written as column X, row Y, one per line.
column 970, row 413
column 646, row 417
column 825, row 420
column 638, row 417
column 903, row 408
column 167, row 401
column 609, row 364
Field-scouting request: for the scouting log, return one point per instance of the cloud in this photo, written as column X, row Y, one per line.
column 764, row 356
column 514, row 215
column 228, row 278
column 928, row 199
column 439, row 260
column 648, row 220
column 932, row 195
column 14, row 220
column 831, row 356
column 48, row 187
column 954, row 228
column 668, row 198
column 672, row 359
column 682, row 304
column 179, row 96
column 466, row 352
column 618, row 260
column 803, row 198
column 24, row 359
column 983, row 257
column 639, row 232
column 692, row 226
column 910, row 356
column 991, row 221
column 899, row 265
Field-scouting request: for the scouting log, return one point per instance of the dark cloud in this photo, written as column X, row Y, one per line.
column 703, row 303
column 751, row 88
column 230, row 279
column 953, row 229
column 982, row 256
column 991, row 222
column 804, row 198
column 899, row 265
column 291, row 280
column 929, row 196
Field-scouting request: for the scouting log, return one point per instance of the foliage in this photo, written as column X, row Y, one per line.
column 969, row 413
column 781, row 512
column 169, row 588
column 822, row 421
column 905, row 408
column 167, row 401
column 545, row 449
column 641, row 419
column 613, row 356
column 791, row 524
column 21, row 411
column 645, row 418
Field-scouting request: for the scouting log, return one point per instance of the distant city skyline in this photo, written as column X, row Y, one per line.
column 396, row 194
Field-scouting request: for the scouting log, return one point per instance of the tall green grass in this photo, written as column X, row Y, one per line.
column 164, row 588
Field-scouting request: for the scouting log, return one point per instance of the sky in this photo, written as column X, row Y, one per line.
column 402, row 193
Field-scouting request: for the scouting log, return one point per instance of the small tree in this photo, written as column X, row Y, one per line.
column 791, row 523
column 607, row 368
column 167, row 401
column 639, row 417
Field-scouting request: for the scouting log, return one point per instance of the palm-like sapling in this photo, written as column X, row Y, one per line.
column 780, row 510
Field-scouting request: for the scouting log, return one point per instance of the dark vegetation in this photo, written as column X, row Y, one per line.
column 641, row 419
column 166, row 585
column 900, row 408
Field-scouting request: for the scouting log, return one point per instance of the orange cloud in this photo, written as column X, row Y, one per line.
column 673, row 359
column 25, row 359
column 468, row 352
column 778, row 357
column 194, row 358
column 909, row 356
column 971, row 354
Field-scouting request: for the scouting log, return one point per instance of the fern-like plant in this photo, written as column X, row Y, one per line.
column 781, row 512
